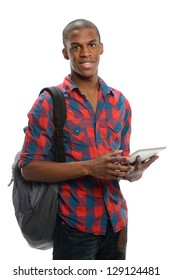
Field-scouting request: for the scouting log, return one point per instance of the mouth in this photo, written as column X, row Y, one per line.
column 86, row 64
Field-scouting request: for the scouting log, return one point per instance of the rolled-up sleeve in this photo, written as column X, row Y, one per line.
column 40, row 131
column 126, row 132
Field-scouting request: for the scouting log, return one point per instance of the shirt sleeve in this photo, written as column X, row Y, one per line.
column 126, row 131
column 39, row 133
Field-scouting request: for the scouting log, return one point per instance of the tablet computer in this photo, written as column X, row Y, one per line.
column 145, row 153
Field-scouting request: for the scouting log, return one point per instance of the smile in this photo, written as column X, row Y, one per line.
column 86, row 62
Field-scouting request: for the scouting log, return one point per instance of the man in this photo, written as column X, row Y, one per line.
column 92, row 215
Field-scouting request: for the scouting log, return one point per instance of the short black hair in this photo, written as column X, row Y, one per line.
column 78, row 24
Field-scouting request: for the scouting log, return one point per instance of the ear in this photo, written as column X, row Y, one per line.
column 65, row 54
column 101, row 48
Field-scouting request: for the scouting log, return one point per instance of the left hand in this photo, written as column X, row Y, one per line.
column 139, row 168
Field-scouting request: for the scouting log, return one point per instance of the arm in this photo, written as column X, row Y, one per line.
column 105, row 167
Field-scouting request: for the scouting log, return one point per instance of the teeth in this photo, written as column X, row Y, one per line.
column 86, row 62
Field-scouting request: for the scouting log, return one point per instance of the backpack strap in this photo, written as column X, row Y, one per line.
column 59, row 118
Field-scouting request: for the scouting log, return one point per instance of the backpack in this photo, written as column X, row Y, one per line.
column 36, row 203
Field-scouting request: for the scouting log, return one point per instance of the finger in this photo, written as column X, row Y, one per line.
column 138, row 163
column 123, row 163
column 123, row 160
column 122, row 168
column 119, row 174
column 147, row 163
column 113, row 153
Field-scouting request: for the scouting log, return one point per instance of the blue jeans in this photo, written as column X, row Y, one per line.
column 72, row 244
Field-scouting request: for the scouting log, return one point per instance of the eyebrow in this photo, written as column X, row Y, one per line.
column 91, row 41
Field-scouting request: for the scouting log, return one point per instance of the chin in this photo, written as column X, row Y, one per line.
column 87, row 74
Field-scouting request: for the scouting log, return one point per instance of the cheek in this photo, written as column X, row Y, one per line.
column 73, row 65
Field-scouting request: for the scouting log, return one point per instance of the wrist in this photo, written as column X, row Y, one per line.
column 87, row 167
column 132, row 177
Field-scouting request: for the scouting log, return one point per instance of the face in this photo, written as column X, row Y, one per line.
column 83, row 49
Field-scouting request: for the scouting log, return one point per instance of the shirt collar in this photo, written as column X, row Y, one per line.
column 105, row 88
column 70, row 86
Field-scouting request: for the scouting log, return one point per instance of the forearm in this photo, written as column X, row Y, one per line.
column 106, row 166
column 44, row 171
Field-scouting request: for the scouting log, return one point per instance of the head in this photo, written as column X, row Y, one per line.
column 78, row 24
column 82, row 46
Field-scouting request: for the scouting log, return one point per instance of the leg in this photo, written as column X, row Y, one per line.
column 114, row 245
column 72, row 244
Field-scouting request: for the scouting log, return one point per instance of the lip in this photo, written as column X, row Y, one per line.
column 87, row 64
column 86, row 61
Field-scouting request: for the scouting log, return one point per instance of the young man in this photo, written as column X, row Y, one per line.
column 92, row 215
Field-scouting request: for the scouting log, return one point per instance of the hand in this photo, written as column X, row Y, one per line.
column 139, row 168
column 110, row 166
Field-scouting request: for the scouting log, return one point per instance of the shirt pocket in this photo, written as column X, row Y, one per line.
column 75, row 134
column 114, row 130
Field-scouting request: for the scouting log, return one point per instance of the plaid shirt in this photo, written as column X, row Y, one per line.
column 85, row 203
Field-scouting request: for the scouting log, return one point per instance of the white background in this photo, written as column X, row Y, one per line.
column 138, row 60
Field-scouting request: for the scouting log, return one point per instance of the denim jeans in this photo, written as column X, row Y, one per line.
column 72, row 244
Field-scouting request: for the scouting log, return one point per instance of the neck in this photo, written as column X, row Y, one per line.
column 89, row 87
column 85, row 84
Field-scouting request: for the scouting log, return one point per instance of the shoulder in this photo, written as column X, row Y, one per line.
column 120, row 96
column 119, row 99
column 117, row 95
column 44, row 101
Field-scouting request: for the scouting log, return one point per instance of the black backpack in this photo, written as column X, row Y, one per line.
column 36, row 203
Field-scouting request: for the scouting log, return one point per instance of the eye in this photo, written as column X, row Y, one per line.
column 92, row 45
column 75, row 48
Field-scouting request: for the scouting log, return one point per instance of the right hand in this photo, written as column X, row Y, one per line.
column 110, row 166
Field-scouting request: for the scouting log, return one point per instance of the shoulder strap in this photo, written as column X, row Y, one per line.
column 59, row 118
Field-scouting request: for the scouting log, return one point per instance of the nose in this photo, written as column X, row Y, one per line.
column 85, row 52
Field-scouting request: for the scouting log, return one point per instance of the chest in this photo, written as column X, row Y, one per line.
column 88, row 132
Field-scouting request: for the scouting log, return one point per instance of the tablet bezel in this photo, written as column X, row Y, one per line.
column 145, row 154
